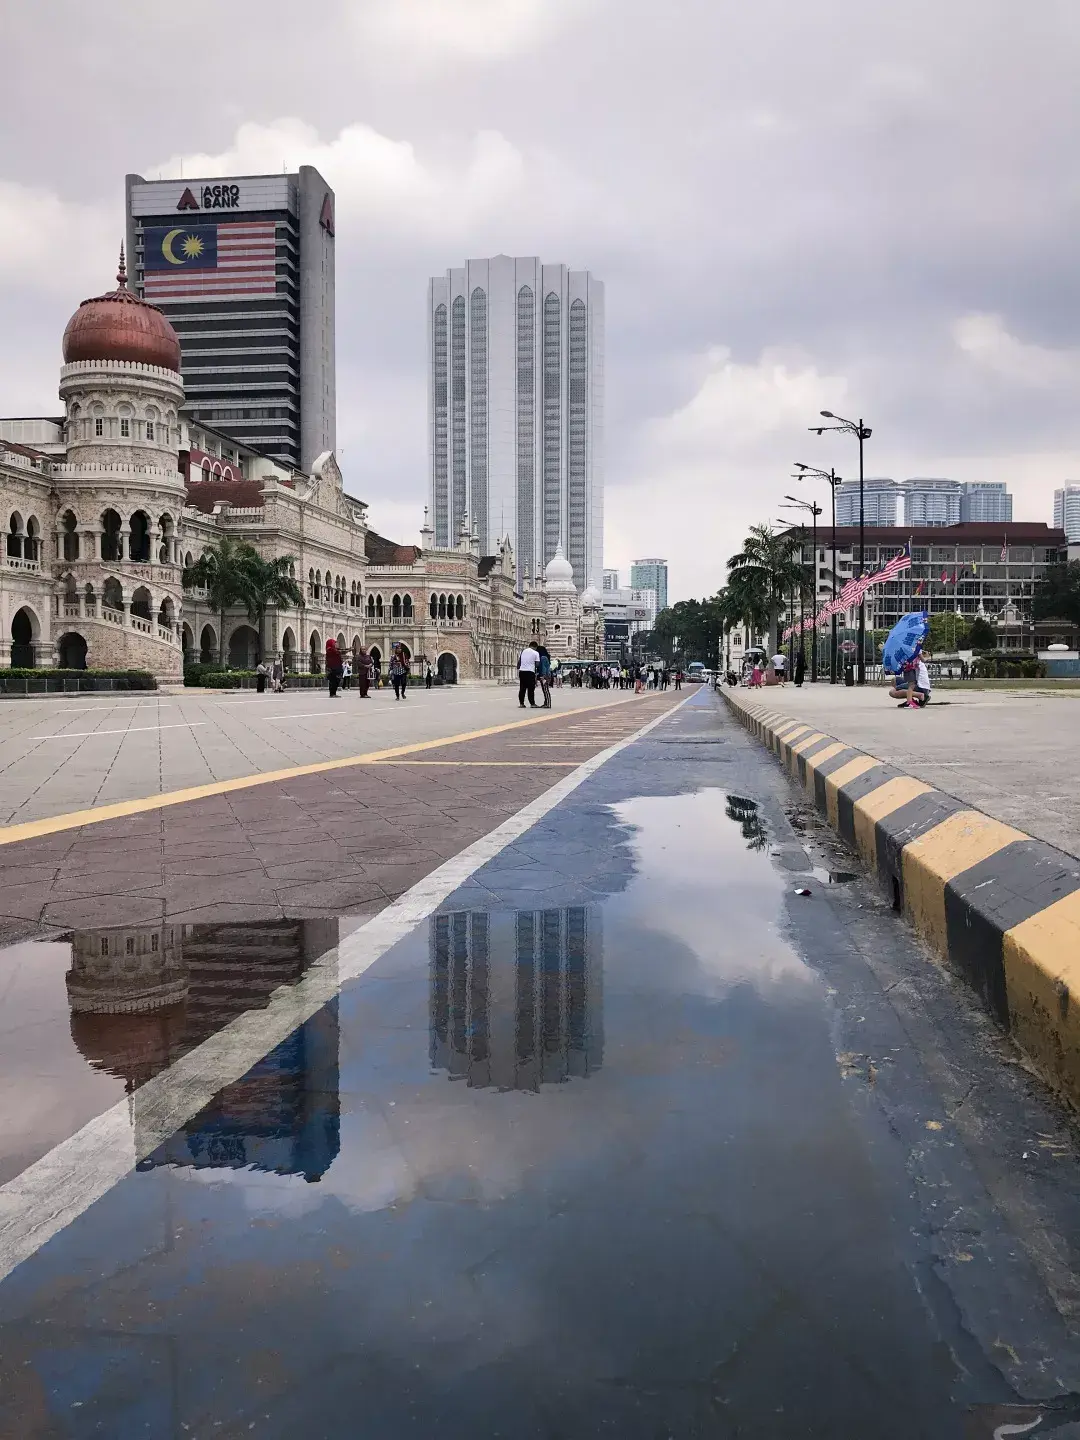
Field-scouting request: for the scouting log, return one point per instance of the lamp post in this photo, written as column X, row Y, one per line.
column 833, row 480
column 815, row 510
column 862, row 433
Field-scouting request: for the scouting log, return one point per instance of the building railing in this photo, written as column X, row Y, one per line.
column 15, row 563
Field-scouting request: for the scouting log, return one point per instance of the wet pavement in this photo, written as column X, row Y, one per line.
column 656, row 1125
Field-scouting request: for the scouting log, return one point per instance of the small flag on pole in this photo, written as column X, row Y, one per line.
column 1005, row 549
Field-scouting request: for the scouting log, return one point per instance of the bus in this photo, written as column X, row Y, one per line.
column 696, row 671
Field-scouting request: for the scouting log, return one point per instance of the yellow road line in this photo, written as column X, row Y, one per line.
column 55, row 824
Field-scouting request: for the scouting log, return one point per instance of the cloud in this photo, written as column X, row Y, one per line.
column 473, row 29
column 986, row 342
column 53, row 244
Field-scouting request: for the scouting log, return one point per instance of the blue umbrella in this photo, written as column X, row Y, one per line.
column 904, row 641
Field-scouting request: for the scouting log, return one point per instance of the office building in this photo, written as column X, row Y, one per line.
column 244, row 270
column 985, row 502
column 880, row 502
column 1067, row 512
column 516, row 411
column 611, row 579
column 651, row 575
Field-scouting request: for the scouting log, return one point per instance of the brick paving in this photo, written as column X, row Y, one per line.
column 343, row 843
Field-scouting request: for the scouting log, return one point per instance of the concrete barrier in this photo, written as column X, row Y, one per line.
column 998, row 905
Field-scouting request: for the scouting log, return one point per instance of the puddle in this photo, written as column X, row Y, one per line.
column 533, row 1147
column 90, row 1017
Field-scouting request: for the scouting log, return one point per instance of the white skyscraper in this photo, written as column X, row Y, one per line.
column 1067, row 512
column 516, row 410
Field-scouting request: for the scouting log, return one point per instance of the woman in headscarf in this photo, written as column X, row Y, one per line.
column 334, row 667
column 361, row 664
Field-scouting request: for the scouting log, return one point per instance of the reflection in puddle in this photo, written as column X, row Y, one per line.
column 745, row 814
column 516, row 998
column 143, row 996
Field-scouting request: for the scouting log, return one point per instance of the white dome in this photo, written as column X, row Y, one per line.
column 591, row 599
column 558, row 571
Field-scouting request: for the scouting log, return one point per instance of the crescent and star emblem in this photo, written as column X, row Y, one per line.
column 192, row 247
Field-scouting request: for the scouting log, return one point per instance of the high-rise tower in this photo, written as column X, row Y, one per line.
column 516, row 410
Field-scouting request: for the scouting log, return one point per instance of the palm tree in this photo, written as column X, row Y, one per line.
column 271, row 583
column 762, row 572
column 224, row 570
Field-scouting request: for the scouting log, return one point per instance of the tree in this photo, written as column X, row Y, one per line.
column 269, row 584
column 224, row 570
column 765, row 569
column 1057, row 595
column 948, row 631
column 981, row 635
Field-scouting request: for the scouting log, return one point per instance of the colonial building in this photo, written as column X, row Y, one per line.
column 106, row 505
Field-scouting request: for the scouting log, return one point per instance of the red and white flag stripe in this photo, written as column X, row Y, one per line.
column 245, row 266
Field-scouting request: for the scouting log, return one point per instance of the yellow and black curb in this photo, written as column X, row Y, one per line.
column 1000, row 906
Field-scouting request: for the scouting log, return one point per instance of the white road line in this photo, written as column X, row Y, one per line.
column 55, row 1190
column 130, row 730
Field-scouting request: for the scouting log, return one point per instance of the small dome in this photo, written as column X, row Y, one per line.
column 558, row 570
column 591, row 599
column 120, row 326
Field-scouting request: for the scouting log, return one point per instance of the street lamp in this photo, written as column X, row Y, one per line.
column 833, row 480
column 862, row 433
column 815, row 510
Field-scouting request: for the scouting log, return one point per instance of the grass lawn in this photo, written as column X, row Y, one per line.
column 1051, row 687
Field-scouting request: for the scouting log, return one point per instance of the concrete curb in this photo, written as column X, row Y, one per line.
column 1001, row 907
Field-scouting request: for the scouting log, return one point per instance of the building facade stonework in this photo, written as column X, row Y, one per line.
column 105, row 506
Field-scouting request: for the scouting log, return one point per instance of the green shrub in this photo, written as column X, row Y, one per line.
column 223, row 679
column 137, row 679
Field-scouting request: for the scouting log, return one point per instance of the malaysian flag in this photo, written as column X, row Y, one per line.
column 188, row 262
column 1005, row 550
column 896, row 566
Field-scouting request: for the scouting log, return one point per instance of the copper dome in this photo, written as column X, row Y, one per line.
column 120, row 326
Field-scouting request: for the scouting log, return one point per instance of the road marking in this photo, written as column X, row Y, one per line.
column 73, row 820
column 56, row 1189
column 514, row 764
column 130, row 730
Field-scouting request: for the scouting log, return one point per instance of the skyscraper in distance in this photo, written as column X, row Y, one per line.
column 244, row 270
column 516, row 410
column 651, row 575
column 1067, row 512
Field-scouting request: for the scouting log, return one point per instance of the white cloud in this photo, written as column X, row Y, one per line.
column 50, row 243
column 475, row 29
column 989, row 345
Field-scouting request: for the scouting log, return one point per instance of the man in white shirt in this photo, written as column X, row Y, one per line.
column 528, row 665
column 779, row 665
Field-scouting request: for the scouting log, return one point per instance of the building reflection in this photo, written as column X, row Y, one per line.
column 143, row 996
column 517, row 997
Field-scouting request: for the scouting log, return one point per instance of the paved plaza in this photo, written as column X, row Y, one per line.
column 1013, row 753
column 505, row 1075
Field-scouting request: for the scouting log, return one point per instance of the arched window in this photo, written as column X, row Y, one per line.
column 32, row 543
column 433, row 607
column 15, row 536
column 140, row 537
column 112, row 546
column 371, row 607
column 406, row 607
column 378, row 607
column 442, row 607
column 395, row 608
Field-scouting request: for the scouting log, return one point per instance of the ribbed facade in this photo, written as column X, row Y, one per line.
column 515, row 412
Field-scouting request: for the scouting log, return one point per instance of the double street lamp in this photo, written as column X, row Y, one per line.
column 862, row 433
column 806, row 472
column 814, row 510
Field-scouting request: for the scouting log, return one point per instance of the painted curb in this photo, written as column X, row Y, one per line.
column 1001, row 907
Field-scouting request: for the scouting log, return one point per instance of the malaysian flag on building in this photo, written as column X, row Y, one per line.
column 189, row 262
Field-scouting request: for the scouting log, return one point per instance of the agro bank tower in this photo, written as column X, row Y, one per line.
column 516, row 411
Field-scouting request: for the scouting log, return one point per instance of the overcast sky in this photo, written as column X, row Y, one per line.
column 794, row 205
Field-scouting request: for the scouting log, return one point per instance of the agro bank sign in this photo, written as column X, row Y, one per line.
column 188, row 198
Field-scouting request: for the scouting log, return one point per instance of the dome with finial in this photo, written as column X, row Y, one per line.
column 591, row 599
column 120, row 326
column 558, row 572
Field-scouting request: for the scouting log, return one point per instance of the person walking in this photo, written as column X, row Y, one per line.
column 376, row 671
column 429, row 678
column 346, row 673
column 334, row 667
column 399, row 672
column 678, row 679
column 779, row 665
column 544, row 675
column 800, row 669
column 362, row 670
column 528, row 664
column 260, row 678
column 277, row 676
